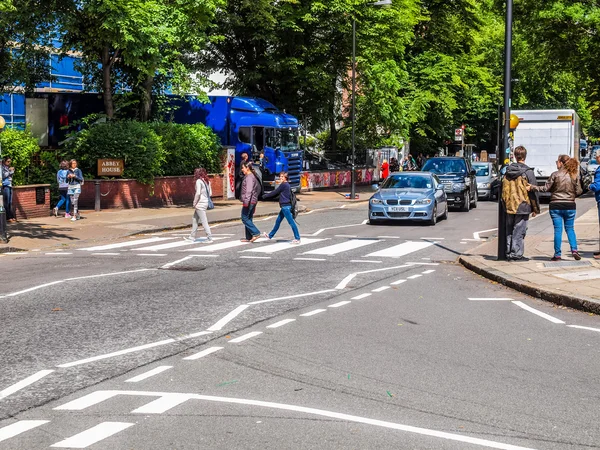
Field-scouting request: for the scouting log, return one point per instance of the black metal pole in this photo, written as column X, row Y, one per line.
column 505, row 150
column 3, row 233
column 353, row 175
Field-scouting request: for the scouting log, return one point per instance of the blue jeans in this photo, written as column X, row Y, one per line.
column 566, row 216
column 7, row 194
column 64, row 199
column 286, row 211
column 247, row 215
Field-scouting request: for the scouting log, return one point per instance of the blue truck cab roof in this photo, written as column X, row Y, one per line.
column 269, row 114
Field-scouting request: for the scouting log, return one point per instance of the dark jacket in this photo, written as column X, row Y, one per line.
column 564, row 189
column 595, row 186
column 78, row 176
column 516, row 170
column 285, row 194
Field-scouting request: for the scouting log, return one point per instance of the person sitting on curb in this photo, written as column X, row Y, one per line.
column 595, row 188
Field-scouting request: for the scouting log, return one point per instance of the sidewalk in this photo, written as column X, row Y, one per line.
column 58, row 232
column 575, row 284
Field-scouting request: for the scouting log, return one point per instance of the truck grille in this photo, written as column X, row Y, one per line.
column 294, row 168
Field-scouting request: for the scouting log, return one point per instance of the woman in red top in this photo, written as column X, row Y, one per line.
column 385, row 169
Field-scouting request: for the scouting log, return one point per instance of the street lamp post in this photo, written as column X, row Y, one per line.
column 3, row 235
column 353, row 175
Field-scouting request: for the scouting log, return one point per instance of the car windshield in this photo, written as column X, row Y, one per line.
column 445, row 166
column 483, row 170
column 407, row 181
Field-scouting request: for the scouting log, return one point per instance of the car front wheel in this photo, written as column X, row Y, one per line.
column 467, row 204
column 433, row 219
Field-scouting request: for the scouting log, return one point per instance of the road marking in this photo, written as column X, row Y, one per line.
column 381, row 289
column 426, row 272
column 176, row 244
column 162, row 404
column 342, row 247
column 101, row 248
column 584, row 328
column 310, row 259
column 318, row 232
column 255, row 257
column 281, row 323
column 489, row 298
column 24, row 383
column 171, row 264
column 476, row 234
column 412, row 277
column 19, row 427
column 281, row 246
column 58, row 253
column 389, row 237
column 361, row 296
column 536, row 312
column 337, row 305
column 203, row 256
column 101, row 254
column 313, row 312
column 348, row 279
column 368, row 261
column 245, row 336
column 150, row 373
column 433, row 239
column 217, row 247
column 346, row 235
column 396, row 283
column 193, row 335
column 15, row 253
column 93, row 435
column 402, row 249
column 228, row 318
column 151, row 254
column 308, row 294
column 97, row 397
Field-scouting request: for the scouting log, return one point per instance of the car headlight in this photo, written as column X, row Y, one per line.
column 458, row 187
column 423, row 201
column 376, row 201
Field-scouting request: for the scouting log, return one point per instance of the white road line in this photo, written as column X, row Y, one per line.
column 402, row 249
column 389, row 237
column 281, row 246
column 584, row 328
column 203, row 353
column 15, row 253
column 245, row 336
column 316, row 233
column 162, row 404
column 313, row 312
column 396, row 283
column 204, row 256
column 169, row 245
column 476, row 234
column 24, row 383
column 217, row 247
column 368, row 261
column 483, row 299
column 308, row 294
column 281, row 323
column 19, row 427
column 428, row 271
column 433, row 239
column 97, row 397
column 361, row 296
column 101, row 254
column 58, row 253
column 93, row 435
column 193, row 335
column 255, row 257
column 132, row 243
column 151, row 254
column 310, row 259
column 150, row 373
column 228, row 318
column 364, row 222
column 348, row 279
column 352, row 244
column 338, row 304
column 171, row 264
column 381, row 289
column 412, row 277
column 537, row 313
column 346, row 235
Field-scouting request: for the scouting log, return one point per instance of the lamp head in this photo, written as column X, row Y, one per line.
column 2, row 123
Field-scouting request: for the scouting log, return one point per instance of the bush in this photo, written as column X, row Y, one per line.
column 20, row 146
column 134, row 142
column 187, row 147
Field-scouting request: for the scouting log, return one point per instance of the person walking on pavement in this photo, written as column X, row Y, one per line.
column 284, row 191
column 249, row 198
column 7, row 191
column 201, row 204
column 595, row 188
column 63, row 188
column 519, row 203
column 565, row 187
column 75, row 180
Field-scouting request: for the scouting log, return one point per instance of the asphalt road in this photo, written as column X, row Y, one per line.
column 362, row 337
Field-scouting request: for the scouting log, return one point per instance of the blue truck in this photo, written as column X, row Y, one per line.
column 253, row 126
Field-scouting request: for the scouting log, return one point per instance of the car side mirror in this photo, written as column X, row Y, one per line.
column 375, row 187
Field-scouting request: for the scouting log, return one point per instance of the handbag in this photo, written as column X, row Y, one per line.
column 211, row 205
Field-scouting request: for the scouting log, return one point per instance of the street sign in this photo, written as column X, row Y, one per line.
column 110, row 167
column 458, row 134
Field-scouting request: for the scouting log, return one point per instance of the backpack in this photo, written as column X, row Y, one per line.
column 211, row 205
column 294, row 203
column 514, row 192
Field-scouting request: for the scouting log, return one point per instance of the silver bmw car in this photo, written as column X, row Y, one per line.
column 409, row 196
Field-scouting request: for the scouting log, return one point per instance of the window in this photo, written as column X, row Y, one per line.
column 483, row 170
column 244, row 135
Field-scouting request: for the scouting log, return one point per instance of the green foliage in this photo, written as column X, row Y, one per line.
column 187, row 147
column 20, row 146
column 134, row 142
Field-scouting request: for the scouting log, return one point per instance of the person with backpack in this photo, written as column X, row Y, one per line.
column 250, row 191
column 595, row 188
column 202, row 202
column 75, row 180
column 519, row 203
column 63, row 188
column 287, row 205
column 565, row 186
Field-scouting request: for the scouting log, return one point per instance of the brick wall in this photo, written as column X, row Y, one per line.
column 31, row 201
column 127, row 194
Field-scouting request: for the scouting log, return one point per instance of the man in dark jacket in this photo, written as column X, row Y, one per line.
column 595, row 188
column 519, row 203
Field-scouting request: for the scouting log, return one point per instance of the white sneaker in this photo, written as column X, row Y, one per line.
column 55, row 211
column 73, row 218
column 295, row 242
column 265, row 235
column 189, row 238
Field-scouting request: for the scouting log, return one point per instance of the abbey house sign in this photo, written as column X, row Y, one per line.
column 110, row 167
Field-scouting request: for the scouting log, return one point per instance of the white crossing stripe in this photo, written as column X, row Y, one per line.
column 217, row 247
column 24, row 383
column 337, row 305
column 381, row 289
column 281, row 323
column 245, row 336
column 584, row 328
column 93, row 435
column 150, row 373
column 19, row 427
column 396, row 283
column 162, row 404
column 402, row 249
column 361, row 296
column 203, row 353
column 313, row 312
column 412, row 277
column 281, row 246
column 101, row 248
column 176, row 244
column 342, row 247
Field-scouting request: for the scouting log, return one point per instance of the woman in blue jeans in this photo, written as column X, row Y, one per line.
column 564, row 186
column 285, row 203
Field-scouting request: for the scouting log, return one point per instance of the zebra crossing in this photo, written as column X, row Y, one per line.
column 263, row 247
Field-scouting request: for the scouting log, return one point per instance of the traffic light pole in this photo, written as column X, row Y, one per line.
column 505, row 150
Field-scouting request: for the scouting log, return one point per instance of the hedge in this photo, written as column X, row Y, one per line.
column 19, row 146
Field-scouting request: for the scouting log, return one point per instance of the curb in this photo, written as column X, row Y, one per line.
column 586, row 304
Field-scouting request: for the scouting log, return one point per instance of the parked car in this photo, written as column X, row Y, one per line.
column 584, row 162
column 458, row 178
column 409, row 196
column 487, row 178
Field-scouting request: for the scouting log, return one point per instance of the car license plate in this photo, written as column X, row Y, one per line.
column 398, row 209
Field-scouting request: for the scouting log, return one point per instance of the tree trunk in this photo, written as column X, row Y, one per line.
column 107, row 96
column 332, row 131
column 146, row 100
